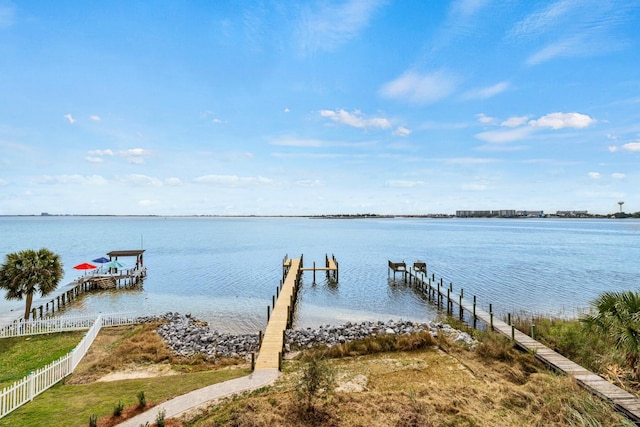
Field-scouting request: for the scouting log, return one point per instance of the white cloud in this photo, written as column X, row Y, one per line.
column 95, row 118
column 504, row 136
column 135, row 155
column 418, row 88
column 139, row 180
column 71, row 179
column 617, row 175
column 563, row 120
column 468, row 161
column 356, row 119
column 474, row 186
column 402, row 131
column 541, row 21
column 515, row 121
column 173, row 181
column 309, row 183
column 286, row 110
column 404, row 183
column 146, row 203
column 231, row 180
column 106, row 152
column 613, row 148
column 94, row 159
column 483, row 118
column 70, row 118
column 486, row 92
column 333, row 24
column 631, row 146
column 569, row 47
column 594, row 175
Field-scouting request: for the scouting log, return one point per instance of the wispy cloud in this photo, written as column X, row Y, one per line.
column 504, row 136
column 594, row 175
column 290, row 141
column 618, row 175
column 231, row 180
column 484, row 119
column 417, row 88
column 70, row 118
column 71, row 179
column 139, row 180
column 173, row 181
column 332, row 25
column 135, row 155
column 95, row 118
column 515, row 121
column 569, row 28
column 404, row 183
column 468, row 161
column 356, row 119
column 401, row 131
column 486, row 92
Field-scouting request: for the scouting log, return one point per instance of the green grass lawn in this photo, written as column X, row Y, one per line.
column 21, row 355
column 72, row 405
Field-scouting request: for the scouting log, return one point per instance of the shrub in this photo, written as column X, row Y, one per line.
column 93, row 420
column 117, row 410
column 160, row 418
column 317, row 376
column 142, row 401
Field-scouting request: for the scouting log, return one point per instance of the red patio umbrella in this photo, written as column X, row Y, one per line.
column 85, row 266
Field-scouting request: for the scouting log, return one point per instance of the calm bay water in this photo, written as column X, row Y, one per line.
column 225, row 270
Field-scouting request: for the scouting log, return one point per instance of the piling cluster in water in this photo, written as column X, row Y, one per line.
column 187, row 336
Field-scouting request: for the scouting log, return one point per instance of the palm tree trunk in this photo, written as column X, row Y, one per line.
column 27, row 308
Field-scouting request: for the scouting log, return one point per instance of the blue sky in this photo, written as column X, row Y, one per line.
column 278, row 107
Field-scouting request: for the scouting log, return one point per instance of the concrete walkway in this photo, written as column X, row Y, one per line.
column 203, row 397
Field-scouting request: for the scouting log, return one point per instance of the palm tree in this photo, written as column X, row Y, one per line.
column 618, row 316
column 26, row 272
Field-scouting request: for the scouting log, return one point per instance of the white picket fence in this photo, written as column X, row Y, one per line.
column 36, row 382
column 61, row 324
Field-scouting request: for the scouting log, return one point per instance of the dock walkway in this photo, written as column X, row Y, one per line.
column 623, row 401
column 270, row 354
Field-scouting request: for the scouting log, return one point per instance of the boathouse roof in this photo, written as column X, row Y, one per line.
column 133, row 252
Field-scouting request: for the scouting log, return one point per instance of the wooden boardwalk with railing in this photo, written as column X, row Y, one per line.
column 280, row 314
column 270, row 354
column 623, row 401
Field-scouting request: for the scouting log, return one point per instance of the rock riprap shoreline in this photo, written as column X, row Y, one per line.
column 187, row 336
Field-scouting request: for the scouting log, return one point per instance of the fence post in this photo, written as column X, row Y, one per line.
column 32, row 387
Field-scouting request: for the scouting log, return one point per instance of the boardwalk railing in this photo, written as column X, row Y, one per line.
column 61, row 324
column 441, row 294
column 24, row 390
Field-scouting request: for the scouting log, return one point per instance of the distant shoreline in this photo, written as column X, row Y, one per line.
column 328, row 216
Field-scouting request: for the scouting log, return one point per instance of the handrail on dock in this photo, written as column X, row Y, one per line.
column 623, row 401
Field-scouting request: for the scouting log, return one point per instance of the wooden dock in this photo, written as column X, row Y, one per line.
column 63, row 296
column 279, row 320
column 623, row 401
column 280, row 312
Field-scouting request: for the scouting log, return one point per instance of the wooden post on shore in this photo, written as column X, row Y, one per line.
column 474, row 312
column 491, row 315
column 314, row 272
column 268, row 313
column 460, row 304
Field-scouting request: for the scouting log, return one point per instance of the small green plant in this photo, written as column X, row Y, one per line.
column 117, row 410
column 317, row 376
column 142, row 401
column 93, row 420
column 160, row 418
